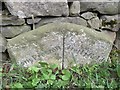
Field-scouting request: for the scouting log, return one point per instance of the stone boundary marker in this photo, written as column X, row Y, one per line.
column 58, row 42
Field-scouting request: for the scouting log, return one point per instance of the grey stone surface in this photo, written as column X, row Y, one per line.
column 38, row 8
column 102, row 7
column 75, row 8
column 0, row 5
column 111, row 34
column 3, row 43
column 12, row 31
column 0, row 8
column 111, row 22
column 88, row 15
column 95, row 23
column 3, row 58
column 76, row 20
column 5, row 12
column 31, row 21
column 10, row 20
column 117, row 41
column 0, row 12
column 79, row 44
column 83, row 49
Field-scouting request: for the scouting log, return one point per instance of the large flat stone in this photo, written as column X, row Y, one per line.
column 10, row 20
column 12, row 31
column 39, row 8
column 104, row 6
column 58, row 42
column 75, row 20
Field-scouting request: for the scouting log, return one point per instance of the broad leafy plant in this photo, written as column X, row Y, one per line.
column 43, row 75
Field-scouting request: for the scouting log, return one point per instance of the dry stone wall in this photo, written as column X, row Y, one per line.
column 65, row 32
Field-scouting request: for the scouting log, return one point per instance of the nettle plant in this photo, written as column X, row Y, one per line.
column 43, row 75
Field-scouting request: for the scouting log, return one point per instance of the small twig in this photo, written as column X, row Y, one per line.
column 63, row 52
column 33, row 22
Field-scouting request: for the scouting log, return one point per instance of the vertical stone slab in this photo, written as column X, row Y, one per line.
column 12, row 31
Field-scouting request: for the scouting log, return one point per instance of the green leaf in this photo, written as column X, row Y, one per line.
column 40, row 86
column 66, row 72
column 57, row 72
column 35, row 81
column 0, row 69
column 18, row 85
column 73, row 69
column 50, row 71
column 118, row 70
column 96, row 77
column 1, row 75
column 76, row 69
column 28, row 84
column 61, row 83
column 113, row 84
column 44, row 71
column 50, row 82
column 53, row 66
column 43, row 64
column 65, row 77
column 46, row 76
column 87, row 83
column 60, row 76
column 24, row 78
column 34, row 69
column 1, row 72
column 53, row 77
